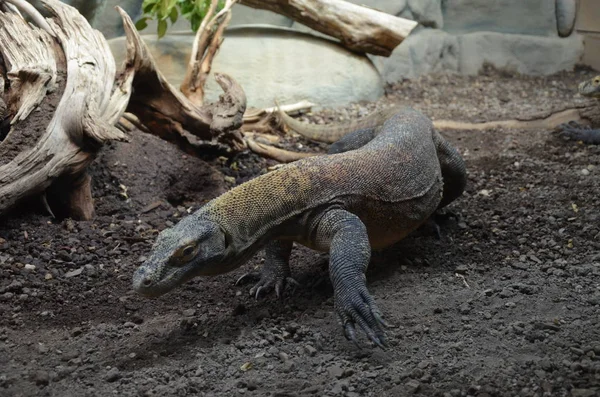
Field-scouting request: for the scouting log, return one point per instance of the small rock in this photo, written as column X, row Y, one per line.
column 189, row 312
column 585, row 172
column 76, row 331
column 112, row 375
column 289, row 366
column 413, row 386
column 74, row 273
column 335, row 371
column 29, row 267
column 310, row 350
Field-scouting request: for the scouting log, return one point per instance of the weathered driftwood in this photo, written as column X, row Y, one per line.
column 167, row 113
column 67, row 71
column 358, row 28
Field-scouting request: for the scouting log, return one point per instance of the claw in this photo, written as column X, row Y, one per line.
column 257, row 292
column 350, row 334
column 249, row 275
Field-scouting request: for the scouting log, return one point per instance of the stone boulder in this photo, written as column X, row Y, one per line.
column 272, row 64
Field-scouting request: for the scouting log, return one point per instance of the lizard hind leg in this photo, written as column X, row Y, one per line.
column 275, row 274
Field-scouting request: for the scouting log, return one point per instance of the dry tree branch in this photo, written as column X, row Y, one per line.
column 206, row 44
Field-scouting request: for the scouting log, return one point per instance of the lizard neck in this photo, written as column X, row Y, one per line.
column 253, row 212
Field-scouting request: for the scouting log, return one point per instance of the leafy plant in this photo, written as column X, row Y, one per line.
column 165, row 11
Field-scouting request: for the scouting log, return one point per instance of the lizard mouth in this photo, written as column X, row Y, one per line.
column 150, row 286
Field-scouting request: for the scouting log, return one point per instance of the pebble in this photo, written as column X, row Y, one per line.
column 112, row 375
column 189, row 312
column 335, row 371
column 585, row 172
column 413, row 386
column 29, row 267
column 310, row 350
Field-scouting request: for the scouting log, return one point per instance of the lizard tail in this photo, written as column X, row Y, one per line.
column 319, row 133
column 334, row 132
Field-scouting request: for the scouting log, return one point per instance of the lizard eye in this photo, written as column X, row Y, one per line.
column 187, row 251
column 185, row 254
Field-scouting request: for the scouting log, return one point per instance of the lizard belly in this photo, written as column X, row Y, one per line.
column 390, row 222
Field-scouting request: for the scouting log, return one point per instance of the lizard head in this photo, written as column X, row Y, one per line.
column 194, row 247
column 590, row 88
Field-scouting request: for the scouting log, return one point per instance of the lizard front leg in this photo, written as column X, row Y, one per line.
column 576, row 132
column 275, row 273
column 350, row 253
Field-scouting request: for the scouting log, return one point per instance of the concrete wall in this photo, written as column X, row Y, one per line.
column 588, row 25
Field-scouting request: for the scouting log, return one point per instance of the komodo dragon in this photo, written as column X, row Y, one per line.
column 589, row 88
column 346, row 203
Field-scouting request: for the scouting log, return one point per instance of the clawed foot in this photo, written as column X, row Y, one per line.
column 356, row 306
column 267, row 282
column 575, row 131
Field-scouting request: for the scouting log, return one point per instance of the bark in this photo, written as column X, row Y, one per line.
column 358, row 28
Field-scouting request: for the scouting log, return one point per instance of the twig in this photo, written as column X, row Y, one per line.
column 464, row 280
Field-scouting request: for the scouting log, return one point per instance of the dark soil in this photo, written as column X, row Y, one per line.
column 507, row 302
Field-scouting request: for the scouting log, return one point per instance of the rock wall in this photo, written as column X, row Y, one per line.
column 528, row 36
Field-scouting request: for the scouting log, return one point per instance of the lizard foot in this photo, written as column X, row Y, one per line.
column 356, row 306
column 266, row 282
column 577, row 132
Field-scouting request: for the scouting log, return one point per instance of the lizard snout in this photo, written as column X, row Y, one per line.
column 143, row 283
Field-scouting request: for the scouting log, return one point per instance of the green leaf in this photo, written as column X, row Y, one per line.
column 148, row 6
column 195, row 21
column 174, row 15
column 162, row 28
column 141, row 24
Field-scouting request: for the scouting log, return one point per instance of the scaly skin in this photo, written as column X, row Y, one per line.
column 368, row 196
column 572, row 130
column 334, row 132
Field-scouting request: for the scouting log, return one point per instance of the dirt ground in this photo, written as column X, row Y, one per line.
column 506, row 303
